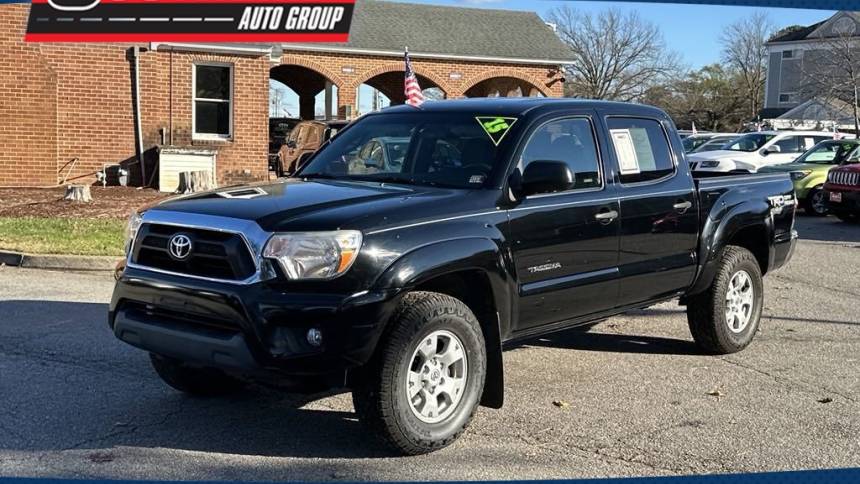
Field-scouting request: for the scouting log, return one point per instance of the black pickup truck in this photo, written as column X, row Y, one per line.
column 400, row 274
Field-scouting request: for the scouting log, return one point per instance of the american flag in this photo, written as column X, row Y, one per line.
column 411, row 87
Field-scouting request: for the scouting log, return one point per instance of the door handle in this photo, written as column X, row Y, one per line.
column 682, row 206
column 606, row 217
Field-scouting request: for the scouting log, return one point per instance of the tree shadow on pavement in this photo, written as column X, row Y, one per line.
column 73, row 385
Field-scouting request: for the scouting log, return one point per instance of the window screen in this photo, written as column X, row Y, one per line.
column 641, row 148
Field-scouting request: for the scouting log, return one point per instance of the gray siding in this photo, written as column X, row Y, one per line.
column 773, row 78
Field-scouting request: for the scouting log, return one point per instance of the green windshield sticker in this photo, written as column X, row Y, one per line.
column 496, row 127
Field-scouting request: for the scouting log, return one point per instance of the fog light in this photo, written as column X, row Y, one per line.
column 314, row 337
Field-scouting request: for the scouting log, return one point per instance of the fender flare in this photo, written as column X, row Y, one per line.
column 722, row 224
column 456, row 255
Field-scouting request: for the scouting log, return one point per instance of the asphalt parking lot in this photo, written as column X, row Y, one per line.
column 631, row 397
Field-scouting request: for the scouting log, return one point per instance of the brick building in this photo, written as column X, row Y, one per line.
column 61, row 102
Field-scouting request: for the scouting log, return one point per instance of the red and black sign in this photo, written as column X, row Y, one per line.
column 189, row 20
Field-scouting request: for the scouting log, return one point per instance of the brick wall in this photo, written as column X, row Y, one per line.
column 64, row 101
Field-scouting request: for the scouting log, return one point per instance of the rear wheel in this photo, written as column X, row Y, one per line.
column 424, row 385
column 815, row 203
column 198, row 381
column 724, row 318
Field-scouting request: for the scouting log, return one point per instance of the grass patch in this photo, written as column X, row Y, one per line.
column 38, row 235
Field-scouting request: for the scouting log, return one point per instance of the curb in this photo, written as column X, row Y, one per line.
column 59, row 262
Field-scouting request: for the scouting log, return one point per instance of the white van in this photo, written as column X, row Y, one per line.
column 755, row 150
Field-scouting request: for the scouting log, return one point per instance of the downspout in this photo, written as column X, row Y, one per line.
column 138, row 128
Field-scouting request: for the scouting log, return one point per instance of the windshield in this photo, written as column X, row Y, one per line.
column 714, row 144
column 749, row 142
column 447, row 150
column 831, row 153
column 692, row 142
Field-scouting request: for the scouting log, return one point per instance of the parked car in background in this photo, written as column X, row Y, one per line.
column 843, row 191
column 716, row 143
column 304, row 140
column 279, row 131
column 809, row 171
column 684, row 133
column 696, row 140
column 756, row 150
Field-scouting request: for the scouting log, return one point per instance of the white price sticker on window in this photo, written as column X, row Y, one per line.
column 625, row 151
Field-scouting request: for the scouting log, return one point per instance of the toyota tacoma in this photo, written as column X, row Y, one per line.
column 502, row 220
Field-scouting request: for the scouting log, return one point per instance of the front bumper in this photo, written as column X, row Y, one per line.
column 253, row 328
column 850, row 203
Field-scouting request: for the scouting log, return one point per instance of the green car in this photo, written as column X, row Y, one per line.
column 809, row 171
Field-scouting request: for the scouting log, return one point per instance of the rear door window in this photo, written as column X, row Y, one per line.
column 641, row 148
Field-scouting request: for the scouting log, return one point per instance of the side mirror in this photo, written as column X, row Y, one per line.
column 772, row 149
column 546, row 177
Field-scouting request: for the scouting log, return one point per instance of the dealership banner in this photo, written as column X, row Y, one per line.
column 189, row 20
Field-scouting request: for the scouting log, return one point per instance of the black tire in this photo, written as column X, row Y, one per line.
column 814, row 203
column 706, row 312
column 197, row 381
column 380, row 396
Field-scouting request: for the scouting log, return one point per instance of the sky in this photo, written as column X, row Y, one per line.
column 691, row 30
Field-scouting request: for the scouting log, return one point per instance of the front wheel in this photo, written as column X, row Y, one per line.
column 724, row 318
column 424, row 385
column 815, row 203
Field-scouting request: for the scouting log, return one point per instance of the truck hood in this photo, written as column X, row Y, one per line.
column 851, row 167
column 721, row 155
column 297, row 204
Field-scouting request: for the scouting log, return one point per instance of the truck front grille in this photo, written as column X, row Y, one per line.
column 213, row 254
column 844, row 178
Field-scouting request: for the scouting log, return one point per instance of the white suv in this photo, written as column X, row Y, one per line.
column 755, row 150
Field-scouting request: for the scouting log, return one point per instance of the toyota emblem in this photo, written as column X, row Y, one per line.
column 179, row 246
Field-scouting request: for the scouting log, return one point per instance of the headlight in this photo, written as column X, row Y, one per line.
column 314, row 255
column 800, row 174
column 131, row 229
column 709, row 164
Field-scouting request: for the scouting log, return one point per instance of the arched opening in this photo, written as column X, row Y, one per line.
column 299, row 92
column 504, row 87
column 385, row 89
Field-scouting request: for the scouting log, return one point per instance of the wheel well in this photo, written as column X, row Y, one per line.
column 753, row 239
column 474, row 289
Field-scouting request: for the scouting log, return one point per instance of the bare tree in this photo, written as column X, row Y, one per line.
column 833, row 73
column 616, row 56
column 744, row 51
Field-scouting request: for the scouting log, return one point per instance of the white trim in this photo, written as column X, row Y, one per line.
column 259, row 51
column 418, row 55
column 195, row 136
column 210, row 48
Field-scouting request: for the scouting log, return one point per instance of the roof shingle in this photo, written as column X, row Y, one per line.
column 455, row 31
